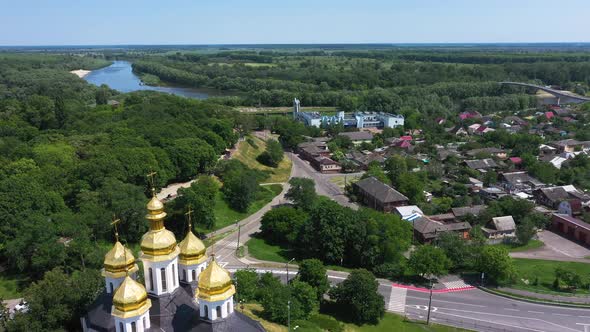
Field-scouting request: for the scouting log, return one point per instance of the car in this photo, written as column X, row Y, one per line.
column 22, row 306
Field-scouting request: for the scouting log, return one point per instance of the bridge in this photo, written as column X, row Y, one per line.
column 563, row 97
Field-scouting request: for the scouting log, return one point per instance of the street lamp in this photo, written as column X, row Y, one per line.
column 429, row 303
column 289, row 315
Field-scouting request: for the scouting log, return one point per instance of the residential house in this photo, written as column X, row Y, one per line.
column 465, row 211
column 570, row 145
column 555, row 160
column 408, row 212
column 494, row 152
column 469, row 115
column 362, row 160
column 481, row 130
column 358, row 137
column 481, row 164
column 500, row 228
column 326, row 165
column 552, row 197
column 519, row 181
column 426, row 230
column 492, row 193
column 572, row 207
column 515, row 120
column 457, row 130
column 378, row 195
column 571, row 227
column 312, row 150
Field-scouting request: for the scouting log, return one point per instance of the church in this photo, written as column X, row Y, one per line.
column 183, row 290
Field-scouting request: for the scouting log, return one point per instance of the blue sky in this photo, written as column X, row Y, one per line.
column 91, row 22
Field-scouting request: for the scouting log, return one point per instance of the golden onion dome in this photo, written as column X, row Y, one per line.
column 155, row 209
column 192, row 250
column 130, row 299
column 215, row 283
column 159, row 242
column 118, row 261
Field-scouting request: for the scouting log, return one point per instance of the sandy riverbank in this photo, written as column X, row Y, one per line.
column 81, row 72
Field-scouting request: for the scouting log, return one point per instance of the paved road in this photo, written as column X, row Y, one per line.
column 556, row 248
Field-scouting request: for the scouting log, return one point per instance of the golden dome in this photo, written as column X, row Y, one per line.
column 130, row 299
column 192, row 250
column 155, row 209
column 215, row 283
column 159, row 242
column 118, row 261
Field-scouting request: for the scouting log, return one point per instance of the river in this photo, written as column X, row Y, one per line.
column 119, row 76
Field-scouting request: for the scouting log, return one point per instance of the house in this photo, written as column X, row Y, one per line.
column 408, row 212
column 572, row 207
column 515, row 120
column 570, row 145
column 326, row 165
column 469, row 115
column 492, row 193
column 481, row 164
column 464, row 211
column 378, row 195
column 358, row 137
column 552, row 197
column 555, row 161
column 443, row 217
column 494, row 152
column 500, row 228
column 473, row 128
column 457, row 130
column 571, row 227
column 311, row 150
column 362, row 160
column 519, row 181
column 481, row 130
column 549, row 115
column 426, row 230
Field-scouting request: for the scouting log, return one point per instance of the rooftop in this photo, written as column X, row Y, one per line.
column 380, row 190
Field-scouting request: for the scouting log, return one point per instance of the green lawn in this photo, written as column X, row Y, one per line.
column 11, row 286
column 396, row 323
column 533, row 244
column 225, row 215
column 247, row 154
column 544, row 270
column 340, row 180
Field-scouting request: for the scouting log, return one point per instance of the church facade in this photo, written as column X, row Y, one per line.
column 182, row 289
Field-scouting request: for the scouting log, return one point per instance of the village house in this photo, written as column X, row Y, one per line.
column 571, row 227
column 325, row 165
column 492, row 193
column 408, row 212
column 519, row 181
column 570, row 145
column 358, row 137
column 493, row 152
column 461, row 212
column 426, row 230
column 363, row 159
column 311, row 150
column 500, row 228
column 378, row 195
column 551, row 197
column 481, row 165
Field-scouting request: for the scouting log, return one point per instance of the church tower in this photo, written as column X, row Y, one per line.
column 215, row 293
column 159, row 252
column 192, row 255
column 131, row 307
column 118, row 263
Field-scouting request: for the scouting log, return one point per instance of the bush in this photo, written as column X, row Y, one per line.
column 273, row 155
column 327, row 323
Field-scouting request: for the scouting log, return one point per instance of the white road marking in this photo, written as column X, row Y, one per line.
column 437, row 300
column 536, row 312
column 562, row 315
column 492, row 322
column 511, row 309
column 397, row 300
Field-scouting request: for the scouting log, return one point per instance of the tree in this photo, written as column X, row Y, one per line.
column 411, row 185
column 358, row 298
column 306, row 296
column 273, row 154
column 456, row 249
column 525, row 231
column 570, row 278
column 429, row 260
column 496, row 264
column 395, row 166
column 282, row 225
column 201, row 198
column 240, row 188
column 313, row 272
column 302, row 193
column 246, row 284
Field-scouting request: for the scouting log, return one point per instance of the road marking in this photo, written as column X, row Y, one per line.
column 492, row 322
column 397, row 300
column 511, row 309
column 500, row 315
column 562, row 315
column 437, row 300
column 536, row 312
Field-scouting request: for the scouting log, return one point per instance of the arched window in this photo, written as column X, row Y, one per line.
column 121, row 327
column 133, row 327
column 163, row 272
column 145, row 326
column 184, row 275
column 111, row 284
column 173, row 275
column 151, row 279
column 206, row 312
column 218, row 310
column 194, row 275
column 228, row 311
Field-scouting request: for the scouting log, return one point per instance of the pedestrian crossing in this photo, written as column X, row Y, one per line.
column 397, row 300
column 456, row 284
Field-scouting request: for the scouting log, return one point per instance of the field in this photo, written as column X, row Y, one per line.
column 248, row 152
column 533, row 244
column 544, row 270
column 340, row 180
column 225, row 216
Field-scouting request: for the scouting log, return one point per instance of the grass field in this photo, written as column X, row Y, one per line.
column 225, row 215
column 533, row 244
column 247, row 154
column 11, row 286
column 529, row 269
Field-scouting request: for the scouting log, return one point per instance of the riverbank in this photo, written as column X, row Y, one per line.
column 81, row 73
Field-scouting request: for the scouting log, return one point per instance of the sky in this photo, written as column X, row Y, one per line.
column 134, row 22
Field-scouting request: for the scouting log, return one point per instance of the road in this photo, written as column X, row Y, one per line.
column 470, row 309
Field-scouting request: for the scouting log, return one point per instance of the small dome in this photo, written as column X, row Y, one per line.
column 155, row 205
column 192, row 249
column 119, row 259
column 215, row 283
column 130, row 299
column 158, row 242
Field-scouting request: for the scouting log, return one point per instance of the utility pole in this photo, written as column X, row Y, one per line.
column 289, row 315
column 239, row 228
column 429, row 304
column 287, row 266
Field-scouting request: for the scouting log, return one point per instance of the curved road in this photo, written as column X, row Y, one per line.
column 471, row 309
column 556, row 93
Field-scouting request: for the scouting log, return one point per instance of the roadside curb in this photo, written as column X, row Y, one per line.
column 439, row 291
column 524, row 299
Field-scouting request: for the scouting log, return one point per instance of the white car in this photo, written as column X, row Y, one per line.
column 23, row 306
